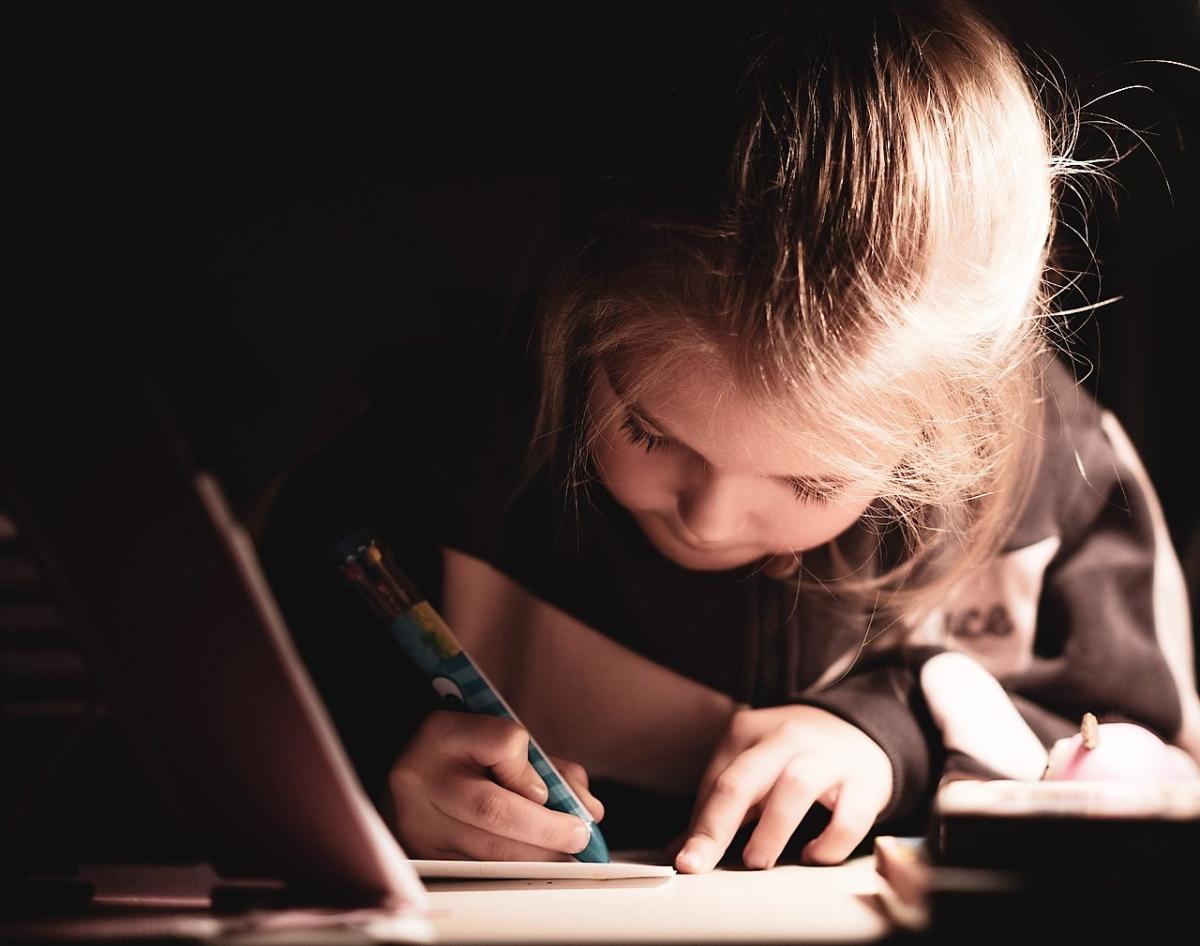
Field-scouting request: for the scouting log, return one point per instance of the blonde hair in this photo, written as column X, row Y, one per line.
column 874, row 275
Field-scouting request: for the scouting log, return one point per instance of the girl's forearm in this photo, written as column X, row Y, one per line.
column 582, row 695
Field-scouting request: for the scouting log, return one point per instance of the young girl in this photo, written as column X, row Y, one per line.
column 801, row 513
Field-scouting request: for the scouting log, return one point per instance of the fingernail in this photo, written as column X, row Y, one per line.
column 581, row 836
column 755, row 861
column 539, row 790
column 690, row 859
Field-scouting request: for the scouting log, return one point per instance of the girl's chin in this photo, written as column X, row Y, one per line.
column 708, row 563
column 697, row 558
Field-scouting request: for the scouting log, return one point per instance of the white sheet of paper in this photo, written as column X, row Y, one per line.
column 538, row 870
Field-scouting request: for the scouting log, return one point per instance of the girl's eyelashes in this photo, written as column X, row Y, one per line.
column 807, row 493
column 803, row 490
column 641, row 437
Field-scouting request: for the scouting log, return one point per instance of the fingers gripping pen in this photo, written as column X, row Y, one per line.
column 424, row 636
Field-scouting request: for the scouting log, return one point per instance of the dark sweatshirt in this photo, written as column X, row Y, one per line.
column 1083, row 611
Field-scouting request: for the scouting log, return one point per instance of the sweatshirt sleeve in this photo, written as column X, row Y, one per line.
column 1084, row 611
column 1114, row 634
column 419, row 467
column 373, row 693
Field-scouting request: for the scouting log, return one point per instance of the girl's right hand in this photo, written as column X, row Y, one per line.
column 465, row 789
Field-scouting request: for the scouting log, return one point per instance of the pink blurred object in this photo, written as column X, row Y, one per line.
column 1117, row 752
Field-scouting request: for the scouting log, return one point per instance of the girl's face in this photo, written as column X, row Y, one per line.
column 709, row 482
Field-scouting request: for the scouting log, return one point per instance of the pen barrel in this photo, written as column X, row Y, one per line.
column 424, row 636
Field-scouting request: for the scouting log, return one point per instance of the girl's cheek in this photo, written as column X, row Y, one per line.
column 816, row 525
column 609, row 467
column 634, row 478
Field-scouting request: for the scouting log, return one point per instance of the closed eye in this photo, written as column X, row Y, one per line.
column 809, row 492
column 641, row 437
column 813, row 492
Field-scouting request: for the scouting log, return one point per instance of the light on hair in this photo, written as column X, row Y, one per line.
column 874, row 275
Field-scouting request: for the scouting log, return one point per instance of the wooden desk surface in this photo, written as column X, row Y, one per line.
column 790, row 904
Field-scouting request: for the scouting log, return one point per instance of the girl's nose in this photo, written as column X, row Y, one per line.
column 712, row 507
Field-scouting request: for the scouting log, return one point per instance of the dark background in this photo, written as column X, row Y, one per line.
column 248, row 210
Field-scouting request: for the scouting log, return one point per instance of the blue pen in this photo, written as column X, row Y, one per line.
column 426, row 638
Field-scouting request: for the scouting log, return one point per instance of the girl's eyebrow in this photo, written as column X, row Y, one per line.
column 815, row 483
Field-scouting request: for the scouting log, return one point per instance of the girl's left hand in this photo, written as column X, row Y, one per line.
column 774, row 764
